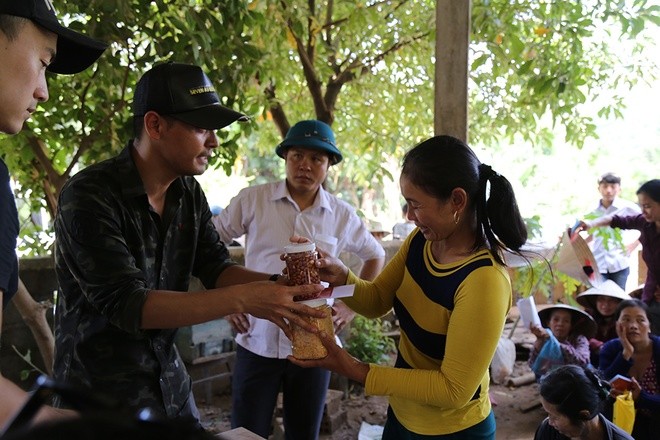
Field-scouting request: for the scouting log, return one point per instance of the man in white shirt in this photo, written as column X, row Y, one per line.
column 269, row 215
column 613, row 260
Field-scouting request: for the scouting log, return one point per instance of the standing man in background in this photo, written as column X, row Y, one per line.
column 32, row 41
column 613, row 260
column 269, row 215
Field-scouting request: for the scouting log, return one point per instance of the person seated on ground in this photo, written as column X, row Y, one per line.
column 574, row 397
column 601, row 303
column 572, row 329
column 653, row 310
column 636, row 354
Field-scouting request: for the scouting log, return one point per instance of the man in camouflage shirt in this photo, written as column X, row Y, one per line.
column 130, row 233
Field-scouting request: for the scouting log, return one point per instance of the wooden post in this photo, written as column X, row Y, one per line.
column 452, row 20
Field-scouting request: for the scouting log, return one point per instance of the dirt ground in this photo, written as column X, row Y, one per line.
column 517, row 411
column 517, row 408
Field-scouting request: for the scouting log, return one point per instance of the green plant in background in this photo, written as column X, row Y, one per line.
column 539, row 276
column 611, row 237
column 368, row 341
column 27, row 357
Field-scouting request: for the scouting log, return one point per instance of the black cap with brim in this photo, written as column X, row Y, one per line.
column 212, row 117
column 75, row 51
column 183, row 92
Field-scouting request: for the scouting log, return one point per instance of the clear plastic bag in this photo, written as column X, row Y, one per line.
column 503, row 361
column 549, row 358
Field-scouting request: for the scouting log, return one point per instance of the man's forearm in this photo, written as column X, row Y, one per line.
column 237, row 274
column 371, row 268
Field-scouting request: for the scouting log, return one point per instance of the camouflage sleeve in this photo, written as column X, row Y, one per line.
column 96, row 254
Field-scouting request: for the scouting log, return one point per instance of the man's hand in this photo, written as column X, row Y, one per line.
column 274, row 302
column 239, row 322
column 342, row 315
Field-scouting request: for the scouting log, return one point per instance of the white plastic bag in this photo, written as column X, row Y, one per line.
column 370, row 432
column 503, row 361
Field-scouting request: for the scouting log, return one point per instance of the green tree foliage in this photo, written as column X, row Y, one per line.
column 88, row 117
column 364, row 66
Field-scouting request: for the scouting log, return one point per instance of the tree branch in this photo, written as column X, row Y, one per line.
column 34, row 315
column 277, row 111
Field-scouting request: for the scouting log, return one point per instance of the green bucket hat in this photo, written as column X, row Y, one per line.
column 311, row 134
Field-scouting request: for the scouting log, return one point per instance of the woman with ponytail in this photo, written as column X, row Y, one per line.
column 574, row 397
column 449, row 289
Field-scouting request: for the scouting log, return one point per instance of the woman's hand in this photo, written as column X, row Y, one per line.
column 583, row 225
column 337, row 360
column 332, row 270
column 541, row 335
column 635, row 388
column 622, row 333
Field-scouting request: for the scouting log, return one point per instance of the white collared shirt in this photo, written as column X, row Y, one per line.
column 268, row 217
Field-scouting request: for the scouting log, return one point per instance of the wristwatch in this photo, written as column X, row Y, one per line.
column 274, row 277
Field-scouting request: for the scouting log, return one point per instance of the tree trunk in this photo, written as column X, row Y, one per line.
column 34, row 315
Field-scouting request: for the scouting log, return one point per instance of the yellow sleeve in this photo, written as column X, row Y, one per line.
column 374, row 298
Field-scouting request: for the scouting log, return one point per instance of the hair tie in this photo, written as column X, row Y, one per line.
column 486, row 172
column 602, row 386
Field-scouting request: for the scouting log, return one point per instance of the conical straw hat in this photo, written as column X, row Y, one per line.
column 607, row 288
column 581, row 323
column 577, row 261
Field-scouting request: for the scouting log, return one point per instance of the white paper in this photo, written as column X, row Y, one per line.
column 338, row 291
column 528, row 312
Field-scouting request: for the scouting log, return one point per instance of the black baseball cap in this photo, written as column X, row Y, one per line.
column 75, row 52
column 184, row 92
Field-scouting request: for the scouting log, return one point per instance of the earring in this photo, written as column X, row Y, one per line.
column 456, row 217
